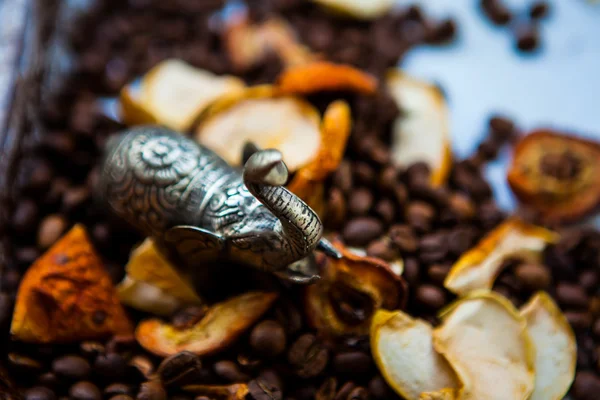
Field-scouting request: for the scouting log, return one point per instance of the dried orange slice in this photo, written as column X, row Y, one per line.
column 422, row 131
column 286, row 123
column 67, row 296
column 485, row 340
column 557, row 175
column 556, row 348
column 444, row 394
column 236, row 391
column 479, row 267
column 222, row 324
column 403, row 351
column 324, row 76
column 308, row 183
column 152, row 283
column 360, row 9
column 173, row 93
column 349, row 292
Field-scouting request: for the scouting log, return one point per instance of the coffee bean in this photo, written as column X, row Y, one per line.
column 85, row 391
column 438, row 272
column 385, row 210
column 262, row 390
column 288, row 316
column 51, row 228
column 363, row 173
column 23, row 364
column 539, row 9
column 379, row 389
column 141, row 367
column 443, row 32
column 345, row 391
column 49, row 380
column 179, row 368
column 121, row 397
column 336, row 208
column 358, row 393
column 110, row 366
column 579, row 320
column 116, row 389
column 268, row 339
column 433, row 247
column 420, row 215
column 360, row 231
column 39, row 393
column 360, row 202
column 502, row 128
column 6, row 307
column 586, row 386
column 527, row 37
column 383, row 249
column 533, row 276
column 461, row 206
column 353, row 363
column 27, row 255
column 403, row 237
column 151, row 390
column 25, row 216
column 588, row 280
column 10, row 279
column 430, row 297
column 460, row 240
column 571, row 295
column 71, row 367
column 308, row 356
column 342, row 177
column 91, row 349
column 411, row 270
column 74, row 198
column 229, row 371
column 496, row 11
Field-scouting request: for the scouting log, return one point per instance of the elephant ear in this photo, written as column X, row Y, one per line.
column 193, row 243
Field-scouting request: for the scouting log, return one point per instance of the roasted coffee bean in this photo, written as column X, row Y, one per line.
column 489, row 215
column 49, row 380
column 71, row 367
column 39, row 393
column 411, row 270
column 358, row 393
column 116, row 389
column 360, row 231
column 6, row 306
column 229, row 371
column 579, row 320
column 360, row 202
column 404, row 238
column 420, row 215
column 533, row 276
column 141, row 367
column 461, row 206
column 501, row 128
column 91, row 349
column 430, row 297
column 288, row 316
column 539, row 9
column 152, row 390
column 596, row 328
column 363, row 173
column 353, row 363
column 571, row 295
column 460, row 240
column 438, row 272
column 588, row 279
column 27, row 255
column 383, row 249
column 121, row 397
column 74, row 198
column 345, row 391
column 433, row 247
column 336, row 208
column 23, row 364
column 527, row 37
column 25, row 216
column 10, row 279
column 179, row 368
column 308, row 356
column 379, row 389
column 262, row 390
column 400, row 195
column 51, row 228
column 342, row 177
column 586, row 386
column 385, row 210
column 496, row 11
column 268, row 339
column 110, row 366
column 85, row 391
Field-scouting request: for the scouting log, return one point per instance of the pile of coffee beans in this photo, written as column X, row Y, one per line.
column 390, row 211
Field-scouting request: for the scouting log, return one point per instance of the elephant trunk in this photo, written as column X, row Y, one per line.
column 265, row 174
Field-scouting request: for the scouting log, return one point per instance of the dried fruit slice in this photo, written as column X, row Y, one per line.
column 361, row 9
column 556, row 175
column 324, row 76
column 67, row 296
column 556, row 348
column 486, row 342
column 152, row 283
column 222, row 324
column 444, row 394
column 479, row 267
column 236, row 391
column 308, row 183
column 422, row 131
column 173, row 93
column 403, row 351
column 349, row 292
column 288, row 124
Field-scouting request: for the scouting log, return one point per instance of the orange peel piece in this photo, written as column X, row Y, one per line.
column 324, row 76
column 403, row 350
column 258, row 115
column 557, row 175
column 349, row 292
column 479, row 267
column 308, row 183
column 67, row 296
column 173, row 93
column 486, row 342
column 222, row 324
column 236, row 391
column 555, row 344
column 152, row 283
column 422, row 131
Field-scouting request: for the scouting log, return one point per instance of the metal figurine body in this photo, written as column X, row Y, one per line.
column 197, row 206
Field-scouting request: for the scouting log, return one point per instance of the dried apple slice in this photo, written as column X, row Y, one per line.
column 422, row 131
column 324, row 76
column 360, row 9
column 556, row 348
column 479, row 267
column 288, row 124
column 485, row 340
column 222, row 324
column 67, row 296
column 152, row 283
column 309, row 181
column 403, row 351
column 557, row 175
column 349, row 292
column 444, row 394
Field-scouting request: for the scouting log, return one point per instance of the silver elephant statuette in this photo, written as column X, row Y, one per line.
column 200, row 209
